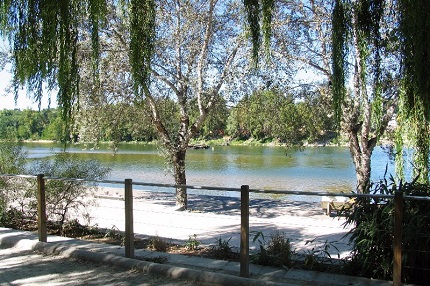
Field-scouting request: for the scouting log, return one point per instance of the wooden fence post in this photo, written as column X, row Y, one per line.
column 397, row 243
column 244, row 231
column 129, row 232
column 41, row 208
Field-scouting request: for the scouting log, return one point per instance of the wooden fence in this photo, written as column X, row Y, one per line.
column 244, row 229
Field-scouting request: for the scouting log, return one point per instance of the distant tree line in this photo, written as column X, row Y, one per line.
column 29, row 124
column 265, row 115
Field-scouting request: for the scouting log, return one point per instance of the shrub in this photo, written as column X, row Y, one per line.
column 63, row 196
column 114, row 233
column 319, row 258
column 192, row 243
column 276, row 252
column 371, row 235
column 223, row 250
column 17, row 197
column 158, row 244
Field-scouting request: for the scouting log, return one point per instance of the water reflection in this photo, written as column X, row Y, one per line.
column 312, row 169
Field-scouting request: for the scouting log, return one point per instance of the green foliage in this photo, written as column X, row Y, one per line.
column 31, row 125
column 215, row 124
column 64, row 196
column 415, row 38
column 275, row 252
column 12, row 161
column 265, row 115
column 319, row 257
column 339, row 39
column 17, row 197
column 44, row 38
column 11, row 217
column 73, row 228
column 372, row 222
column 357, row 21
column 192, row 243
column 12, row 158
column 142, row 33
column 412, row 133
column 223, row 250
column 114, row 233
column 254, row 13
column 269, row 114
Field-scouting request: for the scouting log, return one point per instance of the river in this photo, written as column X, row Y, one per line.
column 272, row 168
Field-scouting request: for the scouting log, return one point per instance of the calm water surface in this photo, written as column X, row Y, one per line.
column 313, row 169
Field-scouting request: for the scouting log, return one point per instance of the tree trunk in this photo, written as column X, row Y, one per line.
column 361, row 156
column 362, row 171
column 180, row 179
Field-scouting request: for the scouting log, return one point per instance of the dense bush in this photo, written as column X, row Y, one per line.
column 15, row 193
column 18, row 203
column 372, row 222
column 64, row 196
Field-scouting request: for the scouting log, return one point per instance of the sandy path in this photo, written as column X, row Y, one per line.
column 213, row 217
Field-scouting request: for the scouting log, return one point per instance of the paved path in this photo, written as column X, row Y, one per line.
column 20, row 266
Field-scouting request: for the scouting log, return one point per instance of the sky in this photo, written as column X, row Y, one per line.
column 7, row 100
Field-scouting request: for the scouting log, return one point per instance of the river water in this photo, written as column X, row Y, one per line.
column 271, row 168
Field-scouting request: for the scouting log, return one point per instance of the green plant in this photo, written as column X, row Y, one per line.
column 223, row 250
column 319, row 257
column 276, row 252
column 16, row 195
column 73, row 228
column 192, row 243
column 158, row 244
column 13, row 218
column 63, row 196
column 372, row 233
column 279, row 245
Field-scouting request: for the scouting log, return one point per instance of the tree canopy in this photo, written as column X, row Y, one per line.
column 415, row 44
column 44, row 37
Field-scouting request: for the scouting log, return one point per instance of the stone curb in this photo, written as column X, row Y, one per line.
column 174, row 272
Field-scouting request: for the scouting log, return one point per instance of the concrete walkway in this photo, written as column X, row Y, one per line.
column 176, row 270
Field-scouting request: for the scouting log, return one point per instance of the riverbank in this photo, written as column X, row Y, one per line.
column 225, row 141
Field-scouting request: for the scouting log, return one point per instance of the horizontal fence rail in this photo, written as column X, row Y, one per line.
column 244, row 191
column 227, row 189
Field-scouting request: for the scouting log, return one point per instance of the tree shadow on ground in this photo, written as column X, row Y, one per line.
column 264, row 208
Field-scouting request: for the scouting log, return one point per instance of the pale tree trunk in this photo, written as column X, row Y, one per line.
column 180, row 179
column 189, row 80
column 360, row 146
column 361, row 156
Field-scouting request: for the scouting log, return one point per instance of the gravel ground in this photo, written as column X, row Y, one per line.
column 24, row 267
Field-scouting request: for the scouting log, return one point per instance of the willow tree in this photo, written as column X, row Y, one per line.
column 361, row 53
column 44, row 37
column 192, row 57
column 177, row 49
column 415, row 50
